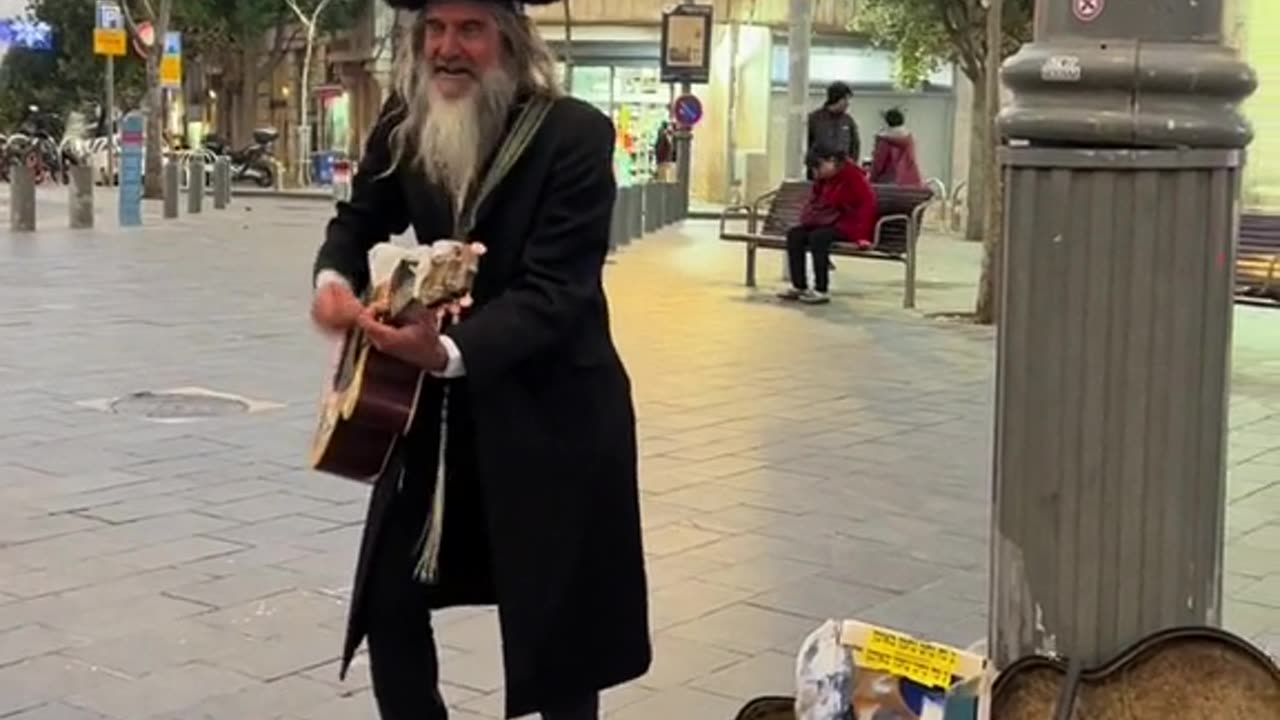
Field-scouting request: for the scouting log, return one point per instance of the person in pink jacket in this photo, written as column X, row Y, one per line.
column 894, row 161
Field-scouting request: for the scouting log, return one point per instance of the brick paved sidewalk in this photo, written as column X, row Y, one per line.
column 798, row 463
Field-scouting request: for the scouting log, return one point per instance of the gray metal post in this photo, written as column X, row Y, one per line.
column 1113, row 355
column 798, row 43
column 22, row 198
column 80, row 195
column 172, row 187
column 195, row 184
column 110, row 80
column 221, row 182
column 635, row 212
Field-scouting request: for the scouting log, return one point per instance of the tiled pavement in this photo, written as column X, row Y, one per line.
column 797, row 464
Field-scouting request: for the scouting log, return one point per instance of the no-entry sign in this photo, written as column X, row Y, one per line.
column 687, row 110
column 1088, row 10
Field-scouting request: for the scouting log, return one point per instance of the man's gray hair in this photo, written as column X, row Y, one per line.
column 528, row 61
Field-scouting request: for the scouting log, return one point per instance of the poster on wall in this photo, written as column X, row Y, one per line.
column 686, row 44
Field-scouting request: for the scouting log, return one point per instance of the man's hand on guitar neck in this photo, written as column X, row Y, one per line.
column 416, row 342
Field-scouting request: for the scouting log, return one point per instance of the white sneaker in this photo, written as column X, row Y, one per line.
column 813, row 297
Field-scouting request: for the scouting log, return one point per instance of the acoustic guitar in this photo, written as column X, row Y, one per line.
column 371, row 398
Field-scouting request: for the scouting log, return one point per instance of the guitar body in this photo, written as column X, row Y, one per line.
column 369, row 405
column 371, row 397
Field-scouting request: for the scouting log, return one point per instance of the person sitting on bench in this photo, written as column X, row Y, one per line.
column 841, row 208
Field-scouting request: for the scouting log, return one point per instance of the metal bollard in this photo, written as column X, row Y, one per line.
column 635, row 212
column 221, row 182
column 80, row 194
column 171, row 188
column 22, row 198
column 647, row 208
column 195, row 184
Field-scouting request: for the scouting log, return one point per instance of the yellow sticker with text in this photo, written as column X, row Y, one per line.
column 925, row 663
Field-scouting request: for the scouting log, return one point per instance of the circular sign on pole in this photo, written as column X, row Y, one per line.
column 1088, row 10
column 687, row 110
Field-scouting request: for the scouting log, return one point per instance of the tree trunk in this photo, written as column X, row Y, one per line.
column 975, row 187
column 152, row 182
column 246, row 111
column 987, row 310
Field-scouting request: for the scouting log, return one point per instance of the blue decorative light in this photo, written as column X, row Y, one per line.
column 25, row 33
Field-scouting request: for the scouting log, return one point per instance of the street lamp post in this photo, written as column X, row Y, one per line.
column 1122, row 181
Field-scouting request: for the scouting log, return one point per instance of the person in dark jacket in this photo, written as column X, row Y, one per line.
column 841, row 208
column 894, row 159
column 538, row 445
column 831, row 126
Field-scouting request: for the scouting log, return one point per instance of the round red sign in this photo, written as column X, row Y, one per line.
column 1088, row 10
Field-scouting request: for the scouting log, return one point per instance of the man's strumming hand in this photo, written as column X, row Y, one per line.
column 416, row 342
column 335, row 308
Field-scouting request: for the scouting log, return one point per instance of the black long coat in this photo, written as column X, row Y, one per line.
column 545, row 405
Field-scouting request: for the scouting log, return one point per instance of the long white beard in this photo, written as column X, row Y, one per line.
column 458, row 134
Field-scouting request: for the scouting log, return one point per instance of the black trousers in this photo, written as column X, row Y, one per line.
column 816, row 241
column 402, row 650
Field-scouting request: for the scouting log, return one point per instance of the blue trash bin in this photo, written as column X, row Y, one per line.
column 322, row 166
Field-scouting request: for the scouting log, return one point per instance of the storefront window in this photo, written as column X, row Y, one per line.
column 336, row 122
column 637, row 101
column 641, row 103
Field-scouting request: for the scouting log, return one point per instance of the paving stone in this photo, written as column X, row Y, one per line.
column 677, row 661
column 28, row 641
column 263, row 701
column 821, row 598
column 162, row 645
column 770, row 673
column 679, row 703
column 266, row 507
column 163, row 692
column 241, row 587
column 57, row 711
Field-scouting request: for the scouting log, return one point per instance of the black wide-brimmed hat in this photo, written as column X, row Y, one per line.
column 422, row 4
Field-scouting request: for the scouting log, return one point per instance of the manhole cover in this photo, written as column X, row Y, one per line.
column 177, row 405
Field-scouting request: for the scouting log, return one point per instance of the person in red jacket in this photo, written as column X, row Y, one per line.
column 841, row 208
column 894, row 159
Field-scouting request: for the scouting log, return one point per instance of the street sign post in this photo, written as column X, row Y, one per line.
column 109, row 36
column 686, row 110
column 171, row 61
column 132, row 140
column 110, row 39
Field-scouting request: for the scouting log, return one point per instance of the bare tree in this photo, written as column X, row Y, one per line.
column 309, row 22
column 152, row 186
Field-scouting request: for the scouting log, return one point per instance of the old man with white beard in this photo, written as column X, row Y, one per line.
column 539, row 448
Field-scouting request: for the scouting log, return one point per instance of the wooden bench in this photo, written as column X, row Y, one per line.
column 768, row 218
column 1258, row 257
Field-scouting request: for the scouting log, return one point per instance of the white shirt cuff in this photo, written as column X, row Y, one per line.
column 327, row 277
column 454, row 368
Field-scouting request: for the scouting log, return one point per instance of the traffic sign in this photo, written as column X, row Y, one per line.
column 109, row 36
column 686, row 110
column 1088, row 10
column 171, row 61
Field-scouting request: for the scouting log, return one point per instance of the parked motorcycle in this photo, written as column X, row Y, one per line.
column 255, row 163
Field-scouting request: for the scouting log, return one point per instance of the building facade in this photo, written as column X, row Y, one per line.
column 738, row 146
column 614, row 56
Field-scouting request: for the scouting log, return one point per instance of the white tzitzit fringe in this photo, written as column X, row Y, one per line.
column 428, row 567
